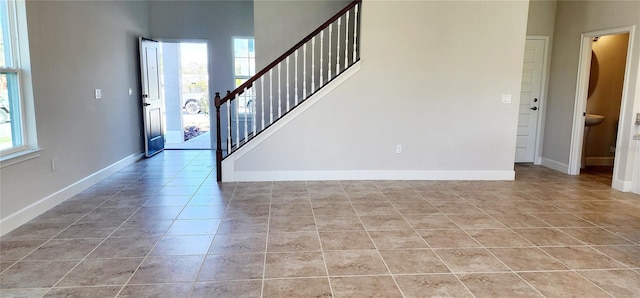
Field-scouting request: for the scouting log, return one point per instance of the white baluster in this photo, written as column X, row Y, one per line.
column 321, row 54
column 355, row 33
column 338, row 47
column 254, row 108
column 288, row 105
column 346, row 42
column 262, row 114
column 304, row 71
column 270, row 96
column 246, row 116
column 296, row 79
column 237, row 101
column 313, row 64
column 228, row 127
column 279, row 92
column 329, row 64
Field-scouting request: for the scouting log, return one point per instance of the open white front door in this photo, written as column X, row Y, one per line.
column 151, row 96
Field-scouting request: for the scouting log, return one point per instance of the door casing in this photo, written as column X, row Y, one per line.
column 621, row 181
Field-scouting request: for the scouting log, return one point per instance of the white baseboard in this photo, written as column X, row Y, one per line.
column 537, row 161
column 600, row 161
column 624, row 186
column 554, row 165
column 30, row 212
column 373, row 175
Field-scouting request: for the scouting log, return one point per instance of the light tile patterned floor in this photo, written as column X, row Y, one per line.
column 164, row 228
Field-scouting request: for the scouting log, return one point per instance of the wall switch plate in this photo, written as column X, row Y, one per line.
column 398, row 149
column 506, row 98
column 98, row 94
column 130, row 91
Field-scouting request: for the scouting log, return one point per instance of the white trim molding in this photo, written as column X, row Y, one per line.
column 627, row 117
column 555, row 165
column 624, row 186
column 30, row 212
column 372, row 175
column 16, row 158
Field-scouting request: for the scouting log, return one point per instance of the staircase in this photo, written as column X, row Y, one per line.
column 287, row 82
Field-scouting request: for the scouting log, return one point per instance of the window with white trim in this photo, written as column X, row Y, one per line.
column 13, row 46
column 244, row 61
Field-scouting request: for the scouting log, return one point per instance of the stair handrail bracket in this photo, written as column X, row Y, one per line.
column 293, row 77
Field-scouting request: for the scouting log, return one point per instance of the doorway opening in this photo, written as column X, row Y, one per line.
column 599, row 116
column 185, row 82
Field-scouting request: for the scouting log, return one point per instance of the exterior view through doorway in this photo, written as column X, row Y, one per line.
column 185, row 85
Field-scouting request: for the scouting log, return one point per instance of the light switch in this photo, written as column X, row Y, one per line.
column 130, row 91
column 98, row 93
column 506, row 98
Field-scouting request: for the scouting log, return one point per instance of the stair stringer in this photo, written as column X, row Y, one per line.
column 228, row 164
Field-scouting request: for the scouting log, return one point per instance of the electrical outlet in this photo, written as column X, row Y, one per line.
column 398, row 149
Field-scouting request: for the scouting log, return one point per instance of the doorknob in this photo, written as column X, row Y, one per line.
column 146, row 104
column 534, row 108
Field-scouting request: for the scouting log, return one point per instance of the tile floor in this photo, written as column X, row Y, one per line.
column 164, row 228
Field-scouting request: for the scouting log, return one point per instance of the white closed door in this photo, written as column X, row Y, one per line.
column 530, row 100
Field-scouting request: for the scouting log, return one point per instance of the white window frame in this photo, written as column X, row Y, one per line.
column 249, row 95
column 21, row 67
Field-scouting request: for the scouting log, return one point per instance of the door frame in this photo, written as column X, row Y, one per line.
column 542, row 107
column 211, row 96
column 619, row 181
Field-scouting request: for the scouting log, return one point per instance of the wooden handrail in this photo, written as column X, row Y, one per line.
column 240, row 89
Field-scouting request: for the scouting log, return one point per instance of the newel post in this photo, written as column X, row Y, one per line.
column 218, row 103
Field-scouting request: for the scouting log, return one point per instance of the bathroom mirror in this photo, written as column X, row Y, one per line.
column 593, row 75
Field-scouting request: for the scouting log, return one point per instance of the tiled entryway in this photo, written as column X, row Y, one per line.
column 164, row 228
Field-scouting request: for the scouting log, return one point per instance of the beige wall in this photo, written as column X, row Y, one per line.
column 608, row 74
column 572, row 19
column 542, row 15
column 431, row 78
column 281, row 24
column 77, row 46
column 214, row 21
